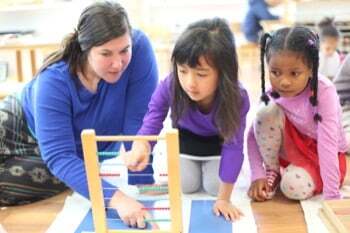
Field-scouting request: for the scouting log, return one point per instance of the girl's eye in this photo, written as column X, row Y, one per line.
column 275, row 73
column 181, row 71
column 106, row 54
column 295, row 74
column 201, row 75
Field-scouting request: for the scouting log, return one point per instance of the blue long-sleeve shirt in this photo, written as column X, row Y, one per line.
column 58, row 107
column 257, row 11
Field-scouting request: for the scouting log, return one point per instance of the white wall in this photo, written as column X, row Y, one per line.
column 50, row 21
column 171, row 14
column 162, row 20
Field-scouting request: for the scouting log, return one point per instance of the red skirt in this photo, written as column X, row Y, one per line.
column 301, row 150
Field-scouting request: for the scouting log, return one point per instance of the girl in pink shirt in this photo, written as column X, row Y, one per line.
column 296, row 140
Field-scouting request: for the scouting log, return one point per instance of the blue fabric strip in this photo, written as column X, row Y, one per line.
column 203, row 219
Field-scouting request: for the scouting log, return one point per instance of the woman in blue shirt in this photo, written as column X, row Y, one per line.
column 102, row 78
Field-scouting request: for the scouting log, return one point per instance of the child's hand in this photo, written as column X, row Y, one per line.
column 130, row 211
column 258, row 190
column 137, row 158
column 227, row 209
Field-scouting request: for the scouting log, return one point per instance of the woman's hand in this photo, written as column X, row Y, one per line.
column 227, row 209
column 138, row 157
column 258, row 190
column 131, row 212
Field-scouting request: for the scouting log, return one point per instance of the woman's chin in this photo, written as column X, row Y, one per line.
column 111, row 79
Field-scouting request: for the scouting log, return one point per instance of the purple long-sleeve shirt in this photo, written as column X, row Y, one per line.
column 328, row 133
column 200, row 124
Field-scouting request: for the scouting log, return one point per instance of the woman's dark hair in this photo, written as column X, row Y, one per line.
column 300, row 40
column 327, row 28
column 213, row 40
column 98, row 24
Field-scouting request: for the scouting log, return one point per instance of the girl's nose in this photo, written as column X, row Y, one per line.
column 285, row 83
column 191, row 82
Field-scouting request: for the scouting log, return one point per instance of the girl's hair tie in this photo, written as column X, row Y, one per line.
column 311, row 42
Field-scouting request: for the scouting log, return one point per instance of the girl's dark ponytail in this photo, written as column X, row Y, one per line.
column 313, row 45
column 70, row 51
column 263, row 44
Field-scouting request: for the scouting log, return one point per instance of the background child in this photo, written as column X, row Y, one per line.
column 329, row 40
column 298, row 127
column 208, row 106
column 257, row 10
column 342, row 84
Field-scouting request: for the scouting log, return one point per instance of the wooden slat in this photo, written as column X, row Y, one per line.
column 128, row 138
column 172, row 144
column 33, row 62
column 137, row 231
column 327, row 222
column 15, row 46
column 338, row 214
column 19, row 67
column 94, row 183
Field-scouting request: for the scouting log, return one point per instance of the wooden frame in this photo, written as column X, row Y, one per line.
column 336, row 215
column 89, row 143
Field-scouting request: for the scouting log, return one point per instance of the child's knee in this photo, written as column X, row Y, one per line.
column 268, row 131
column 269, row 113
column 296, row 183
column 211, row 180
column 211, row 186
column 190, row 185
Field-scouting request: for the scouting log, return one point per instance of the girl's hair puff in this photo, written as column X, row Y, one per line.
column 327, row 28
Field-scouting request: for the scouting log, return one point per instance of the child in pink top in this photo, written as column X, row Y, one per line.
column 296, row 140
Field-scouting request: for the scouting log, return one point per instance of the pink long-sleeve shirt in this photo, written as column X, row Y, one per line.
column 328, row 133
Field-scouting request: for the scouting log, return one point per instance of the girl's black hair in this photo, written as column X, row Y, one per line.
column 327, row 28
column 98, row 24
column 299, row 40
column 213, row 40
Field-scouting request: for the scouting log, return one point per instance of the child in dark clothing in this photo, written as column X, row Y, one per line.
column 257, row 11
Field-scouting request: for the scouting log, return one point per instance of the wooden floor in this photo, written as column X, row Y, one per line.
column 273, row 216
column 279, row 215
column 32, row 218
column 276, row 216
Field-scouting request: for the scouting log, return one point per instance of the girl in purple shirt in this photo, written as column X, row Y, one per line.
column 208, row 106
